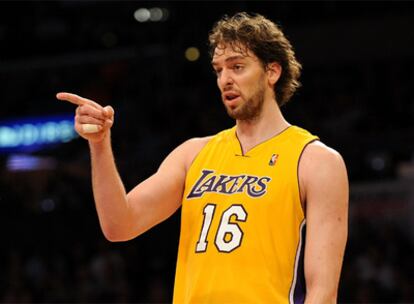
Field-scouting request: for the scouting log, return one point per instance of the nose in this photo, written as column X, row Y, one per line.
column 225, row 78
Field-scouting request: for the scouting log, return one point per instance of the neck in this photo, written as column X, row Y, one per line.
column 269, row 123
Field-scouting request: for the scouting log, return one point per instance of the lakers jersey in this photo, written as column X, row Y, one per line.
column 242, row 223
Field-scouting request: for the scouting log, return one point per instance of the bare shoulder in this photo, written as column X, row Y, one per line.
column 317, row 154
column 197, row 142
column 321, row 167
column 185, row 153
column 193, row 147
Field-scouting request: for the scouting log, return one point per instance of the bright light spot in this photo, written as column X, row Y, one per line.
column 66, row 131
column 192, row 54
column 142, row 15
column 8, row 137
column 156, row 14
column 30, row 134
column 50, row 131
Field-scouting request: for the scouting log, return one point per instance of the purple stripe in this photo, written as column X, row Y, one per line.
column 300, row 287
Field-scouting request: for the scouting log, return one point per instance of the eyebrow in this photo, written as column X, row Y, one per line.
column 231, row 58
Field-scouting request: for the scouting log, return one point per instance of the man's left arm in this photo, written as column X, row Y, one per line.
column 325, row 190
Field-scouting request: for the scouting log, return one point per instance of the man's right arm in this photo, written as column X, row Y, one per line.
column 122, row 215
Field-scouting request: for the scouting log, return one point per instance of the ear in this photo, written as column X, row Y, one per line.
column 273, row 71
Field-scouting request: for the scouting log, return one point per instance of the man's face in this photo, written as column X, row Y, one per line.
column 241, row 80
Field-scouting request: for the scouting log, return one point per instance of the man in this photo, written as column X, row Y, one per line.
column 246, row 193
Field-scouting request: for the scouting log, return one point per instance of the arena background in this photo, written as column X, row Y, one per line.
column 358, row 73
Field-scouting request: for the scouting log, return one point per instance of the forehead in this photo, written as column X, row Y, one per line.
column 225, row 52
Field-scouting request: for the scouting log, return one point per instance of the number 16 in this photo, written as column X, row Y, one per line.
column 225, row 228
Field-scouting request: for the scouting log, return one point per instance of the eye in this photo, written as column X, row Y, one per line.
column 217, row 72
column 238, row 67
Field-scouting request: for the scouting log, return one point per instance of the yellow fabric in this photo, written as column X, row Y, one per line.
column 249, row 206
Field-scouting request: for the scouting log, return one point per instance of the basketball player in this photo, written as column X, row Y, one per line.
column 264, row 204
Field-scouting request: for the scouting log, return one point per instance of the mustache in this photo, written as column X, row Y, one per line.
column 230, row 88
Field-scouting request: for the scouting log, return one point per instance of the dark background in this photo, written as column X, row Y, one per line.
column 358, row 73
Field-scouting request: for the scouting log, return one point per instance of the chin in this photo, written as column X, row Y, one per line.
column 236, row 116
column 232, row 112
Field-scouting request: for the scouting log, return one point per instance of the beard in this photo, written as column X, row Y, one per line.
column 251, row 108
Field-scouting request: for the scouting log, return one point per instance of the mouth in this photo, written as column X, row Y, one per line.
column 231, row 98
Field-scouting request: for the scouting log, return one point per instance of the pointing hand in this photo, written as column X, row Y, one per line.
column 92, row 121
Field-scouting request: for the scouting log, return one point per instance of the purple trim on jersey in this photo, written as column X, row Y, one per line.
column 297, row 171
column 300, row 287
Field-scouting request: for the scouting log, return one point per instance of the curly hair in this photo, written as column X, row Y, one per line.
column 266, row 40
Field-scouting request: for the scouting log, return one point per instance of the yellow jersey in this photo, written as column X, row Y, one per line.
column 242, row 223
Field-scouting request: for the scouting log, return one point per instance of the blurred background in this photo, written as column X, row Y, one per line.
column 149, row 60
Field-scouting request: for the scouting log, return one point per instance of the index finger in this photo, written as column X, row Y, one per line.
column 76, row 99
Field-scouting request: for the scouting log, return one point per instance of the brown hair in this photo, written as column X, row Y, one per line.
column 267, row 41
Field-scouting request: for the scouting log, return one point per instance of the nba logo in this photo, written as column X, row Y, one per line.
column 273, row 159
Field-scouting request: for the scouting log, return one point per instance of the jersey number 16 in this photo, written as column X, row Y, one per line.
column 229, row 235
